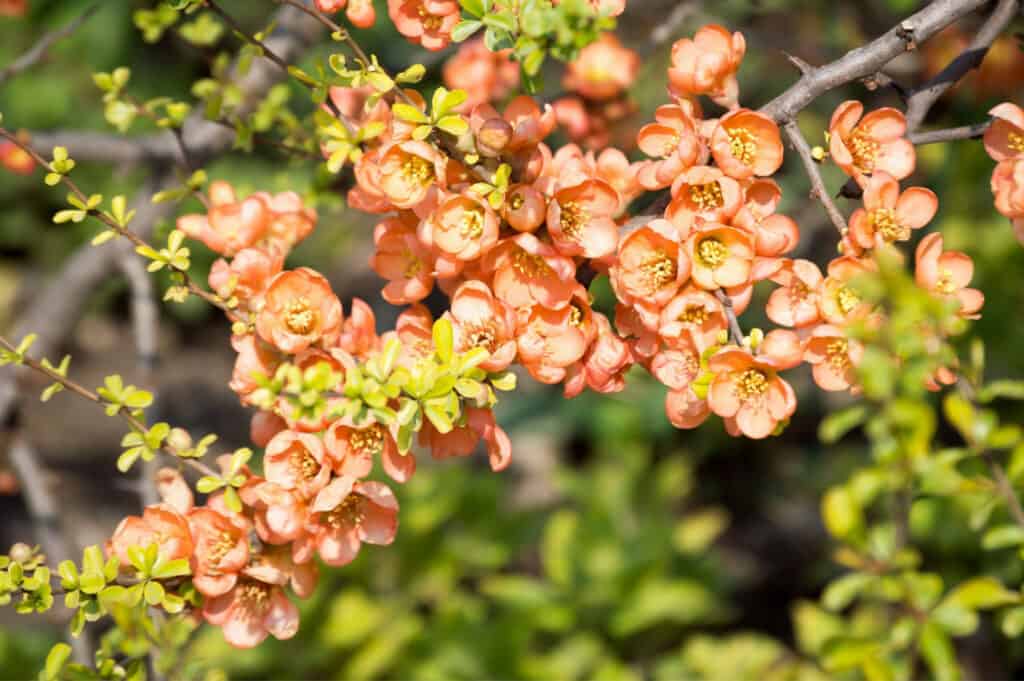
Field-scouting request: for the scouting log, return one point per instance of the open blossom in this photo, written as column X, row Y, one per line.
column 462, row 227
column 297, row 461
column 707, row 65
column 947, row 274
column 221, row 551
column 427, row 22
column 604, row 363
column 354, row 449
column 1004, row 138
column 347, row 513
column 838, row 301
column 299, row 310
column 230, row 225
column 834, row 357
column 706, row 194
column 673, row 141
column 693, row 316
column 550, row 341
column 580, row 219
column 406, row 172
column 159, row 524
column 774, row 234
column 746, row 144
column 748, row 392
column 247, row 275
column 860, row 146
column 1008, row 187
column 462, row 440
column 403, row 260
column 603, row 69
column 677, row 367
column 889, row 215
column 720, row 256
column 795, row 302
column 685, row 409
column 251, row 611
column 528, row 271
column 485, row 76
column 480, row 320
column 649, row 268
column 289, row 222
column 278, row 514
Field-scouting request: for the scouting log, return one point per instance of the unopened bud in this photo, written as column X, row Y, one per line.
column 179, row 439
column 21, row 553
column 493, row 135
column 818, row 154
column 755, row 338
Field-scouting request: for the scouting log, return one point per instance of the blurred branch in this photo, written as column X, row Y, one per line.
column 922, row 99
column 818, row 190
column 869, row 59
column 964, row 132
column 42, row 47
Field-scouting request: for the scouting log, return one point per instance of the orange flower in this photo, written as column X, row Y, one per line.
column 774, row 234
column 14, row 158
column 707, row 65
column 462, row 440
column 693, row 316
column 673, row 141
column 528, row 271
column 748, row 393
column 354, row 449
column 299, row 310
column 747, row 143
column 602, row 368
column 360, row 12
column 427, row 22
column 838, row 302
column 550, row 341
column 860, row 146
column 795, row 302
column 484, row 75
column 290, row 222
column 247, row 275
column 834, row 358
column 1004, row 138
column 888, row 215
column 525, row 208
column 298, row 462
column 348, row 513
column 479, row 320
column 13, row 8
column 947, row 274
column 580, row 219
column 649, row 269
column 407, row 171
column 703, row 194
column 1008, row 187
column 721, row 256
column 230, row 225
column 254, row 357
column 677, row 367
column 402, row 260
column 684, row 409
column 161, row 525
column 603, row 69
column 251, row 611
column 462, row 227
column 221, row 551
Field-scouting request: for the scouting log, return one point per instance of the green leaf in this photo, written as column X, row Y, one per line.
column 504, row 21
column 1008, row 389
column 454, row 125
column 937, row 650
column 1003, row 537
column 839, row 423
column 473, row 7
column 409, row 113
column 464, row 29
column 55, row 661
column 443, row 339
column 841, row 592
column 153, row 593
column 841, row 513
column 982, row 593
column 1013, row 622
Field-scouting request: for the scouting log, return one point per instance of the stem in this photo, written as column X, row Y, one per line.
column 818, row 190
column 82, row 391
column 730, row 313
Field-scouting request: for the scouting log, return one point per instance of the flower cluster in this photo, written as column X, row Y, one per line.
column 1004, row 142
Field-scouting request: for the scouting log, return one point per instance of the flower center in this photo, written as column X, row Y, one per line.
column 670, row 146
column 431, row 22
column 658, row 270
column 886, row 224
column 300, row 317
column 712, row 252
column 417, row 170
column 302, row 464
column 530, row 265
column 751, row 384
column 573, row 217
column 367, row 440
column 480, row 335
column 743, row 145
column 847, row 299
column 517, row 201
column 1016, row 142
column 413, row 265
column 348, row 513
column 694, row 314
column 471, row 225
column 217, row 547
column 864, row 149
column 798, row 291
column 576, row 315
column 837, row 352
column 945, row 284
column 254, row 598
column 706, row 196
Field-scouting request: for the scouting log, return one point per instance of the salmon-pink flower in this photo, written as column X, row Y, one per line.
column 684, row 409
column 299, row 310
column 748, row 393
column 247, row 275
column 276, row 565
column 525, row 208
column 650, row 268
column 485, row 76
column 427, row 22
column 407, row 171
column 834, row 358
column 255, row 358
column 704, row 194
column 230, row 225
column 530, row 123
column 528, row 271
column 264, row 426
column 278, row 514
column 1004, row 138
column 889, row 215
column 174, row 491
column 297, row 461
column 795, row 302
column 462, row 227
column 678, row 366
column 353, row 450
column 14, row 158
column 359, row 12
column 480, row 320
column 359, row 331
column 774, row 234
column 402, row 260
column 720, row 256
column 1008, row 187
column 580, row 219
column 947, row 274
column 707, row 65
column 289, row 222
column 673, row 141
column 550, row 341
column 746, row 144
column 221, row 551
column 347, row 513
column 838, row 301
column 692, row 316
column 159, row 524
column 603, row 69
column 462, row 440
column 604, row 363
column 860, row 146
column 614, row 167
column 251, row 611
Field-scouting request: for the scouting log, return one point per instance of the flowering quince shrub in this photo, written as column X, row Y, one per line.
column 679, row 215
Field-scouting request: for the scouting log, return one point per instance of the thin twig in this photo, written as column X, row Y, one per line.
column 964, row 132
column 735, row 331
column 41, row 48
column 818, row 190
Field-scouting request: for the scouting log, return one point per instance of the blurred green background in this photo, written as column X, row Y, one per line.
column 616, row 547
